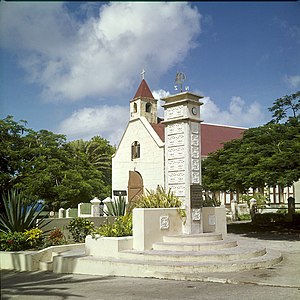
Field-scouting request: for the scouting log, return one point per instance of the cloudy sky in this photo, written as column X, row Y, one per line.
column 72, row 68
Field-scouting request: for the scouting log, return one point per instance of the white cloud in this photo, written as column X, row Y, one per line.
column 292, row 81
column 72, row 59
column 159, row 94
column 237, row 114
column 109, row 122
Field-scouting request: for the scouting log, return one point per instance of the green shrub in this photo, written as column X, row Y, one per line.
column 80, row 228
column 244, row 217
column 19, row 213
column 121, row 227
column 20, row 241
column 13, row 241
column 261, row 200
column 33, row 237
column 209, row 201
column 116, row 208
column 282, row 210
column 157, row 199
column 55, row 238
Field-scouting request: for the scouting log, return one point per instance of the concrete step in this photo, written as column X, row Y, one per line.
column 46, row 265
column 193, row 238
column 227, row 254
column 157, row 268
column 194, row 246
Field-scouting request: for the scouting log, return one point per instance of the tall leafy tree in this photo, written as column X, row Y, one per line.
column 286, row 108
column 44, row 165
column 99, row 153
column 268, row 155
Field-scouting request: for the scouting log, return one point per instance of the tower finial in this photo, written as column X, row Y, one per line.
column 143, row 73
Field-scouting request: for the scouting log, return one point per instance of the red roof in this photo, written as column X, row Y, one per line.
column 143, row 91
column 160, row 130
column 212, row 136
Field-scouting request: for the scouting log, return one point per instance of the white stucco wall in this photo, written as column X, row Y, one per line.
column 151, row 162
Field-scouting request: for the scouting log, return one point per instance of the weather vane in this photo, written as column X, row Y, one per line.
column 179, row 79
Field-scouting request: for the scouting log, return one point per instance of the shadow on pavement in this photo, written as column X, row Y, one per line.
column 283, row 231
column 41, row 284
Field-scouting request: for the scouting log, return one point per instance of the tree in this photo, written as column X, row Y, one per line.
column 268, row 155
column 44, row 165
column 288, row 103
column 99, row 153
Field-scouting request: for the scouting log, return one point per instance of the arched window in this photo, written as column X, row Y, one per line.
column 135, row 150
column 134, row 107
column 148, row 107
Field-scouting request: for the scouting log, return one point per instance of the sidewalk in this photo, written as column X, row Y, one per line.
column 284, row 274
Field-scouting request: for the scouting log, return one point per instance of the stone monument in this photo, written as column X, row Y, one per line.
column 183, row 155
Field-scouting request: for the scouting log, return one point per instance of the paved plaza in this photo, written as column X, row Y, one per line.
column 282, row 281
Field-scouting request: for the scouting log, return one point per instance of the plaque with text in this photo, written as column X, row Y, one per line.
column 120, row 193
column 196, row 196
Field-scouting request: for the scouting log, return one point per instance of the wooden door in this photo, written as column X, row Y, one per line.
column 135, row 185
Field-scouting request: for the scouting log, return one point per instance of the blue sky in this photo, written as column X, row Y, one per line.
column 72, row 68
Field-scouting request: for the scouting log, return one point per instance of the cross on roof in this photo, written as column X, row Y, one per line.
column 143, row 74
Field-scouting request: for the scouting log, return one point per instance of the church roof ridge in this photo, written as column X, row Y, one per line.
column 143, row 91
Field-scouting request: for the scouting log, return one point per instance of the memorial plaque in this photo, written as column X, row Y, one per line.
column 196, row 196
column 120, row 193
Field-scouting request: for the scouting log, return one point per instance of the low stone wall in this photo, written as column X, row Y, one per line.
column 151, row 224
column 63, row 223
column 214, row 219
column 30, row 260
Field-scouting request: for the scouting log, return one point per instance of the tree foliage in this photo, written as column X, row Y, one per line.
column 268, row 155
column 282, row 106
column 44, row 165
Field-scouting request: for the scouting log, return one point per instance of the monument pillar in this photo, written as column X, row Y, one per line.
column 183, row 155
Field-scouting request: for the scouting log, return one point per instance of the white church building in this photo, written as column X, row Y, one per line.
column 139, row 161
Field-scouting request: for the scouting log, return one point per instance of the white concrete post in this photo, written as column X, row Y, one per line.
column 61, row 213
column 105, row 201
column 68, row 212
column 79, row 209
column 95, row 208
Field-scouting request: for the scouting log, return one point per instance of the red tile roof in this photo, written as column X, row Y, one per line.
column 143, row 91
column 212, row 136
column 160, row 130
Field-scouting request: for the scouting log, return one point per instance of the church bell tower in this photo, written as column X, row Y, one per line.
column 143, row 103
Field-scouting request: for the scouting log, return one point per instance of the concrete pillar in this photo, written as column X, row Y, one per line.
column 183, row 155
column 68, row 212
column 95, row 209
column 61, row 213
column 291, row 205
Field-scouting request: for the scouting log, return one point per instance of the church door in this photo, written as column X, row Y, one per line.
column 135, row 185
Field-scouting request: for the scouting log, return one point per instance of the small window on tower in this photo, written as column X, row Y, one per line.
column 134, row 107
column 135, row 150
column 148, row 107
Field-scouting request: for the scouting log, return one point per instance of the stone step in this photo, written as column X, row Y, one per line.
column 193, row 238
column 226, row 254
column 46, row 265
column 194, row 246
column 157, row 268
